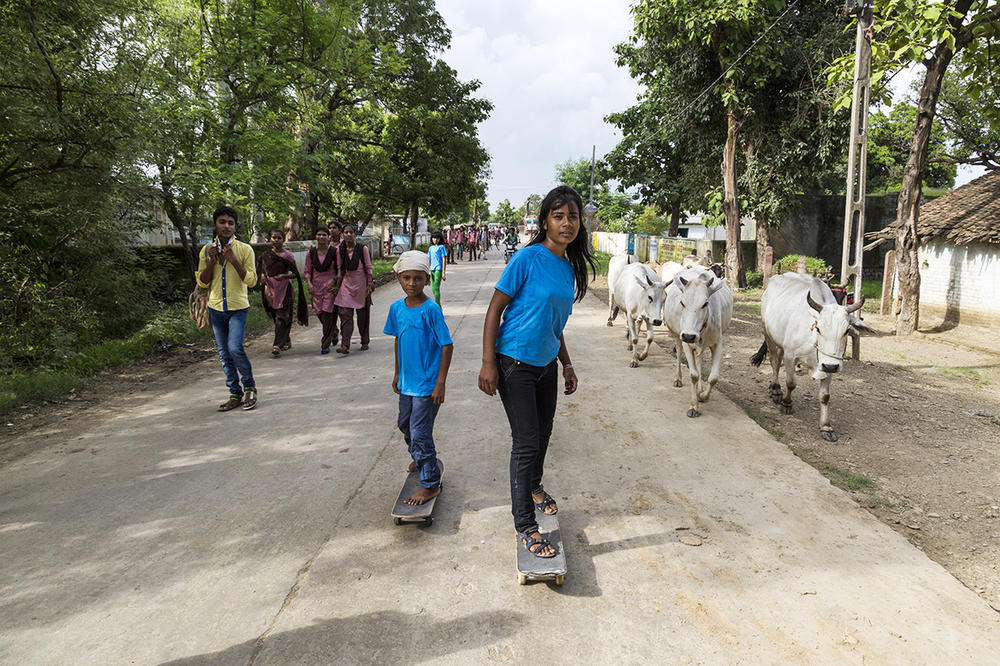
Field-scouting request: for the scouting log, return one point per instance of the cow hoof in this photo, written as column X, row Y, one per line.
column 829, row 435
column 633, row 364
column 610, row 324
column 693, row 413
column 786, row 409
column 642, row 357
column 702, row 398
column 678, row 383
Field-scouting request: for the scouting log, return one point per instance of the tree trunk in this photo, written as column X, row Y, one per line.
column 675, row 218
column 763, row 238
column 908, row 207
column 730, row 206
column 414, row 214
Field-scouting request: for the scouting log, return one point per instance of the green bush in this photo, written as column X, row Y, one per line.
column 755, row 279
column 789, row 264
column 601, row 259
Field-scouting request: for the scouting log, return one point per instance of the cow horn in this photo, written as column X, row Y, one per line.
column 668, row 283
column 716, row 286
column 683, row 282
column 648, row 280
column 857, row 305
column 813, row 304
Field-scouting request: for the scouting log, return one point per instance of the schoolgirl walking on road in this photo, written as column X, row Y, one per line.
column 276, row 269
column 321, row 271
column 354, row 290
column 535, row 297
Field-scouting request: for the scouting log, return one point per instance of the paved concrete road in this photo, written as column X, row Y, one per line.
column 176, row 534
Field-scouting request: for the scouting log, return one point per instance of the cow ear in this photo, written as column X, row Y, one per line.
column 638, row 281
column 715, row 286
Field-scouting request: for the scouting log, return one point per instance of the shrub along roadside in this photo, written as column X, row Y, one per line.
column 74, row 369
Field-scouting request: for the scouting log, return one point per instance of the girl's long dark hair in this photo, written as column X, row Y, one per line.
column 578, row 252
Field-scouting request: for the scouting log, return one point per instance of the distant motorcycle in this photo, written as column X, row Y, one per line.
column 509, row 251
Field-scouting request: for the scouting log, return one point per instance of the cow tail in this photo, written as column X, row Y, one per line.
column 758, row 358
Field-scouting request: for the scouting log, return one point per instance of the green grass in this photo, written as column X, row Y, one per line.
column 765, row 423
column 871, row 289
column 602, row 259
column 382, row 267
column 77, row 367
column 966, row 373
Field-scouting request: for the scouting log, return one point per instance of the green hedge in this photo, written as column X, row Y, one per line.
column 789, row 264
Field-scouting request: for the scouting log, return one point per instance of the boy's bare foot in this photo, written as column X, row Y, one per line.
column 422, row 495
column 538, row 549
column 411, row 468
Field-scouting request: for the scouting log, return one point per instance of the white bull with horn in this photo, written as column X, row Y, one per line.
column 804, row 324
column 698, row 310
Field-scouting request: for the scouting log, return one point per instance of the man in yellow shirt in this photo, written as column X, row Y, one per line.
column 226, row 268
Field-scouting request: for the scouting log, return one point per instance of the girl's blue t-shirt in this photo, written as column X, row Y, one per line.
column 541, row 287
column 421, row 333
column 436, row 254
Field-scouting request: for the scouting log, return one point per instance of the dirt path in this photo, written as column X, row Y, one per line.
column 918, row 421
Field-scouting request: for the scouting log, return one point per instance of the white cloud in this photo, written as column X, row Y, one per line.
column 549, row 68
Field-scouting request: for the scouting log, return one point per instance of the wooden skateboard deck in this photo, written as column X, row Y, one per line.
column 530, row 567
column 407, row 513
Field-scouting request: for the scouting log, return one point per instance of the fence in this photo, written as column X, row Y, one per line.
column 649, row 248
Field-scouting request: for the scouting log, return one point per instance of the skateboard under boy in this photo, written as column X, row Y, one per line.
column 420, row 513
column 530, row 567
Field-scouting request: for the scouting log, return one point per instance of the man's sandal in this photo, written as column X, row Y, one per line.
column 250, row 399
column 541, row 543
column 546, row 502
column 276, row 351
column 235, row 400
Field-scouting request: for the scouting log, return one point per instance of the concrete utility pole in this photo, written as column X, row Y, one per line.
column 857, row 167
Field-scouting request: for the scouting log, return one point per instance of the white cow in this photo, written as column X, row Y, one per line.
column 637, row 291
column 669, row 269
column 698, row 310
column 615, row 266
column 804, row 324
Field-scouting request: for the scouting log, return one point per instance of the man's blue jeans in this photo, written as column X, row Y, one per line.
column 228, row 328
column 416, row 422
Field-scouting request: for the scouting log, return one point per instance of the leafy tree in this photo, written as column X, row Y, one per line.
column 71, row 94
column 650, row 221
column 506, row 215
column 889, row 138
column 929, row 33
column 970, row 119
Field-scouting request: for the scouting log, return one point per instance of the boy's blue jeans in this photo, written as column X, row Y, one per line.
column 228, row 328
column 416, row 422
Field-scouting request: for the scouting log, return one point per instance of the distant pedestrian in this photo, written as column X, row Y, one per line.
column 226, row 269
column 460, row 237
column 354, row 289
column 437, row 254
column 275, row 269
column 535, row 296
column 472, row 244
column 423, row 353
column 321, row 271
column 449, row 240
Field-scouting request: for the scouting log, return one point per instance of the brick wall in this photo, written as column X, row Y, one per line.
column 961, row 281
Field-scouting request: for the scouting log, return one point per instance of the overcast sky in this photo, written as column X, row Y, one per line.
column 549, row 68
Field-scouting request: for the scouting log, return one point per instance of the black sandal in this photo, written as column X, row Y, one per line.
column 541, row 543
column 235, row 400
column 546, row 502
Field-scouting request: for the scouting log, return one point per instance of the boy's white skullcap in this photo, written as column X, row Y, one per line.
column 413, row 260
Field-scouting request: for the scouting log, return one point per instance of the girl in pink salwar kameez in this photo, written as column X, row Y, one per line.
column 354, row 269
column 321, row 271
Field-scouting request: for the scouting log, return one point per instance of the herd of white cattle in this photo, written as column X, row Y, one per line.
column 802, row 321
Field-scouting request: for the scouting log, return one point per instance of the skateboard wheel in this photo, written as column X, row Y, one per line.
column 398, row 521
column 428, row 521
column 522, row 579
column 559, row 579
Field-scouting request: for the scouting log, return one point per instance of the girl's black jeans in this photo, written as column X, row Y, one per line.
column 529, row 394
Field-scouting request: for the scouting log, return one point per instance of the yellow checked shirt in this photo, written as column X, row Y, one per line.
column 227, row 291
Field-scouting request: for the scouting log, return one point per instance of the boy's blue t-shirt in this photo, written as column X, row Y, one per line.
column 540, row 285
column 436, row 253
column 421, row 333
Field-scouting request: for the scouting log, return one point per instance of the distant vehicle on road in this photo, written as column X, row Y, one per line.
column 400, row 243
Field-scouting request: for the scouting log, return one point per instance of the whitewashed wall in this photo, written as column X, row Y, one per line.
column 962, row 277
column 611, row 243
